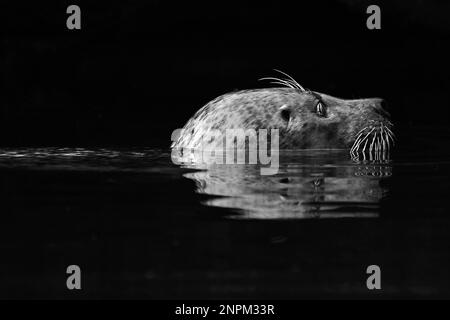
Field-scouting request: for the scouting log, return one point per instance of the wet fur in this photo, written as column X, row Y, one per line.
column 260, row 109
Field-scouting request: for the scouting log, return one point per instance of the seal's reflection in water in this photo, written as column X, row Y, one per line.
column 309, row 184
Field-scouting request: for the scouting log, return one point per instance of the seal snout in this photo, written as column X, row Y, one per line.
column 380, row 107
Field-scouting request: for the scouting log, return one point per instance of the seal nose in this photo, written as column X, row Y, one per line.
column 381, row 108
column 384, row 105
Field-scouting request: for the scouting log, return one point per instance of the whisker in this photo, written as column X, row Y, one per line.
column 364, row 149
column 284, row 84
column 356, row 145
column 380, row 147
column 354, row 156
column 382, row 136
column 360, row 133
column 353, row 146
column 280, row 81
column 390, row 136
column 377, row 149
column 365, row 137
column 272, row 78
column 298, row 85
column 389, row 130
column 387, row 140
column 373, row 140
column 293, row 83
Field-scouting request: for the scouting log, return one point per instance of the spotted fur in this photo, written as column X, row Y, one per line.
column 305, row 128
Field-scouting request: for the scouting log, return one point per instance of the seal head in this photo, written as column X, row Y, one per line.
column 305, row 120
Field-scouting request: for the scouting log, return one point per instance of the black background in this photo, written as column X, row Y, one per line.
column 136, row 71
column 139, row 69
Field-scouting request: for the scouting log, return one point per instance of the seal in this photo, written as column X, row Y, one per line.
column 305, row 119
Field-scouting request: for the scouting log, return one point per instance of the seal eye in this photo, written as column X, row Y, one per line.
column 320, row 109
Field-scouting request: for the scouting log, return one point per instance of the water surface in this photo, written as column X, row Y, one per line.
column 140, row 226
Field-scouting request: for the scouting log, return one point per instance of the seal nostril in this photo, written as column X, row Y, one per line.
column 285, row 114
column 380, row 107
column 382, row 112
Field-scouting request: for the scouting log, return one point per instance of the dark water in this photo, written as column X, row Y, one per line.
column 140, row 226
